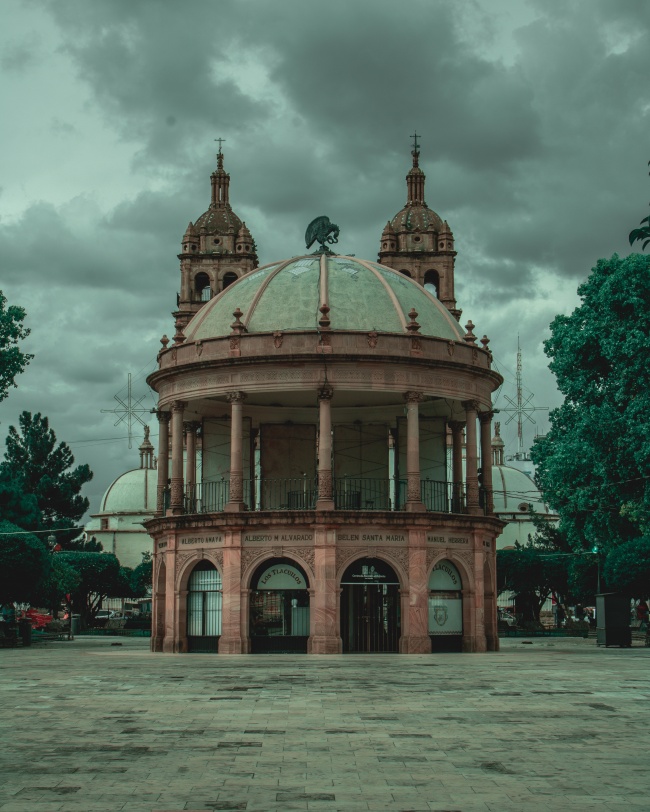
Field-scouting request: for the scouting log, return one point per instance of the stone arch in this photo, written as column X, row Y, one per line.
column 432, row 279
column 382, row 556
column 202, row 287
column 461, row 565
column 228, row 278
column 186, row 565
column 406, row 273
column 249, row 570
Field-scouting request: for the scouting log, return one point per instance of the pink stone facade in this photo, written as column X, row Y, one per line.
column 331, row 455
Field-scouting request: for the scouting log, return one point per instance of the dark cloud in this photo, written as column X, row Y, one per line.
column 534, row 126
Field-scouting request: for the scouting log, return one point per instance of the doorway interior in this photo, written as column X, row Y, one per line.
column 279, row 608
column 370, row 608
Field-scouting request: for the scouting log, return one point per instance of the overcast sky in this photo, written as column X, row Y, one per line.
column 534, row 117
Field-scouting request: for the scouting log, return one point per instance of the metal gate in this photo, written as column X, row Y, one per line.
column 370, row 608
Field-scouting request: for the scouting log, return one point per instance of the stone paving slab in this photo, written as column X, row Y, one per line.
column 558, row 725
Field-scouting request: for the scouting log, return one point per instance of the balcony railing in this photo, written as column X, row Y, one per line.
column 349, row 493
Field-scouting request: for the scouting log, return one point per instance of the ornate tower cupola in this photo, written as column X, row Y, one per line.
column 418, row 243
column 216, row 249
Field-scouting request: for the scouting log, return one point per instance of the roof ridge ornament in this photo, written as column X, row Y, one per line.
column 322, row 230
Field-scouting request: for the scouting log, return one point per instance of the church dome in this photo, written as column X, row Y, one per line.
column 132, row 492
column 219, row 220
column 416, row 217
column 514, row 491
column 342, row 292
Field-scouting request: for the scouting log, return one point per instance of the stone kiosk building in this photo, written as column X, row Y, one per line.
column 326, row 515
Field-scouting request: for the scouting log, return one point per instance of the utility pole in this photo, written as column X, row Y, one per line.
column 522, row 407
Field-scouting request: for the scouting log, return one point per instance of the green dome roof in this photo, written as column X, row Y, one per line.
column 361, row 295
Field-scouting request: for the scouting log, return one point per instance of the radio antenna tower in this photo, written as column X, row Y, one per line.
column 522, row 408
column 128, row 411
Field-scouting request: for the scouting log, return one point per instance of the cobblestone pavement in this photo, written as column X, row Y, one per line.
column 550, row 725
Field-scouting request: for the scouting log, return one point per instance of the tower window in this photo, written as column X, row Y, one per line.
column 202, row 290
column 417, row 239
column 432, row 282
column 406, row 273
column 228, row 279
column 217, row 242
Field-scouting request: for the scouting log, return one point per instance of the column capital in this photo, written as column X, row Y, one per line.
column 470, row 405
column 191, row 425
column 163, row 417
column 485, row 417
column 456, row 425
column 235, row 397
column 325, row 392
column 413, row 397
column 178, row 405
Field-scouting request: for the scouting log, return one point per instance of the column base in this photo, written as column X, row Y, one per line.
column 156, row 644
column 325, row 645
column 234, row 507
column 415, row 507
column 324, row 504
column 415, row 644
column 233, row 645
column 169, row 645
column 475, row 510
column 492, row 643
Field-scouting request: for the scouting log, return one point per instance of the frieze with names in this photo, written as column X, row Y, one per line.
column 191, row 540
column 371, row 537
column 282, row 537
column 431, row 539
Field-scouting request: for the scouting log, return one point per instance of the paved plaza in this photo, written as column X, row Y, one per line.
column 102, row 724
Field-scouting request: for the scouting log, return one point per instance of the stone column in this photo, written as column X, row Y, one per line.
column 485, row 419
column 480, row 643
column 471, row 467
column 177, row 496
column 458, row 503
column 163, row 459
column 169, row 645
column 325, row 498
column 325, row 637
column 413, row 493
column 417, row 640
column 236, row 498
column 191, row 427
column 233, row 632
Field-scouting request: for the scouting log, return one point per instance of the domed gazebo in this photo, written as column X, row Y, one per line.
column 324, row 517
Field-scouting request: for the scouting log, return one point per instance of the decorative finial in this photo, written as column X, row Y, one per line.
column 415, row 152
column 469, row 336
column 323, row 231
column 324, row 321
column 413, row 326
column 485, row 341
column 164, row 341
column 237, row 327
column 220, row 141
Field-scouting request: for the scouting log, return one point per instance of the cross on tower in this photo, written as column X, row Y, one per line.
column 415, row 137
column 220, row 141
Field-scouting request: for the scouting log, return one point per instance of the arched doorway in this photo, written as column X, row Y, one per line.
column 445, row 608
column 279, row 608
column 204, row 599
column 370, row 607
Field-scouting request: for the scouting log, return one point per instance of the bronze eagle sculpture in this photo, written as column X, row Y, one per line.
column 323, row 231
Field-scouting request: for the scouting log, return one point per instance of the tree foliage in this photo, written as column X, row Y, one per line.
column 641, row 234
column 627, row 568
column 25, row 564
column 98, row 577
column 39, row 467
column 593, row 466
column 12, row 360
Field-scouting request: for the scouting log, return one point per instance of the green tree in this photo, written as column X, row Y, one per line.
column 40, row 468
column 593, row 466
column 12, row 360
column 532, row 574
column 627, row 568
column 98, row 578
column 25, row 564
column 641, row 234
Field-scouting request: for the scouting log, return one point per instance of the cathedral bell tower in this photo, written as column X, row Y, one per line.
column 216, row 250
column 417, row 243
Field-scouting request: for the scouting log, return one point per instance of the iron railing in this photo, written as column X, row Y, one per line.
column 349, row 493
